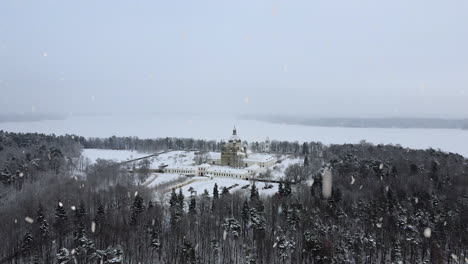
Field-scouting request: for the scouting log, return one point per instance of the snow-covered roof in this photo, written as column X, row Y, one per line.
column 182, row 167
column 204, row 165
column 226, row 169
column 253, row 167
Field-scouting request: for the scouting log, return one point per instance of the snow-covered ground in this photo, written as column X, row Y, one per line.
column 156, row 179
column 184, row 158
column 110, row 154
column 181, row 158
column 278, row 170
column 219, row 127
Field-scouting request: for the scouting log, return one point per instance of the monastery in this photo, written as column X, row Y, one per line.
column 234, row 161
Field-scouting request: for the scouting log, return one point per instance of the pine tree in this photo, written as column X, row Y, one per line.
column 138, row 204
column 254, row 193
column 180, row 199
column 137, row 208
column 287, row 189
column 192, row 206
column 60, row 222
column 306, row 161
column 44, row 227
column 60, row 214
column 27, row 243
column 225, row 191
column 280, row 189
column 40, row 214
column 101, row 211
column 245, row 212
column 81, row 210
column 215, row 191
column 63, row 257
column 305, row 149
column 155, row 244
column 173, row 200
column 80, row 231
column 188, row 253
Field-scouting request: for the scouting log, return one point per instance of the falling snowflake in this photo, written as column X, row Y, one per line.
column 21, row 174
column 327, row 183
column 352, row 180
column 246, row 100
column 60, row 204
column 29, row 219
column 93, row 226
column 379, row 225
column 427, row 232
column 136, row 193
column 44, row 54
column 73, row 208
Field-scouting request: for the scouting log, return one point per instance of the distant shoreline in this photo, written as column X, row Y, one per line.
column 402, row 123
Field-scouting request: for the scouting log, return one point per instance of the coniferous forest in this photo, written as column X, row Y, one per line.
column 388, row 204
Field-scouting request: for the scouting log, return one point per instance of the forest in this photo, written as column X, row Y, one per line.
column 388, row 204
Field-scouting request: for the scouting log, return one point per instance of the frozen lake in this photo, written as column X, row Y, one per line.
column 220, row 127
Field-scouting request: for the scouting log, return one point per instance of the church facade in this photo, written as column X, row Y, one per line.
column 233, row 152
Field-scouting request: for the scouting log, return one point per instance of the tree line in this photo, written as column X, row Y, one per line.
column 388, row 204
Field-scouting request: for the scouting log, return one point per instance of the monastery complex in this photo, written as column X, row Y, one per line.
column 234, row 161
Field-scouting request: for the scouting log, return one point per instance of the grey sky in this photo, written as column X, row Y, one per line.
column 323, row 58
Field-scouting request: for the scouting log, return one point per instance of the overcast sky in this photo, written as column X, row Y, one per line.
column 311, row 57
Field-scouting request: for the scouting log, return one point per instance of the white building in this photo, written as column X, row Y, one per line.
column 248, row 164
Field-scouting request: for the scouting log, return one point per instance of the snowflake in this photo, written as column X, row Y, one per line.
column 427, row 232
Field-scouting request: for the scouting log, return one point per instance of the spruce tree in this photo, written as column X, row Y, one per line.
column 225, row 191
column 215, row 191
column 306, row 161
column 40, row 214
column 60, row 223
column 287, row 189
column 173, row 200
column 137, row 208
column 180, row 199
column 192, row 206
column 155, row 244
column 254, row 192
column 245, row 212
column 27, row 243
column 280, row 189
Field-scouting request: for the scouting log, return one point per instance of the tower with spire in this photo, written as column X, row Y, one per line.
column 233, row 152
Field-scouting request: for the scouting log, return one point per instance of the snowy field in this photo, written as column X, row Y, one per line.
column 219, row 127
column 156, row 179
column 199, row 184
column 109, row 154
